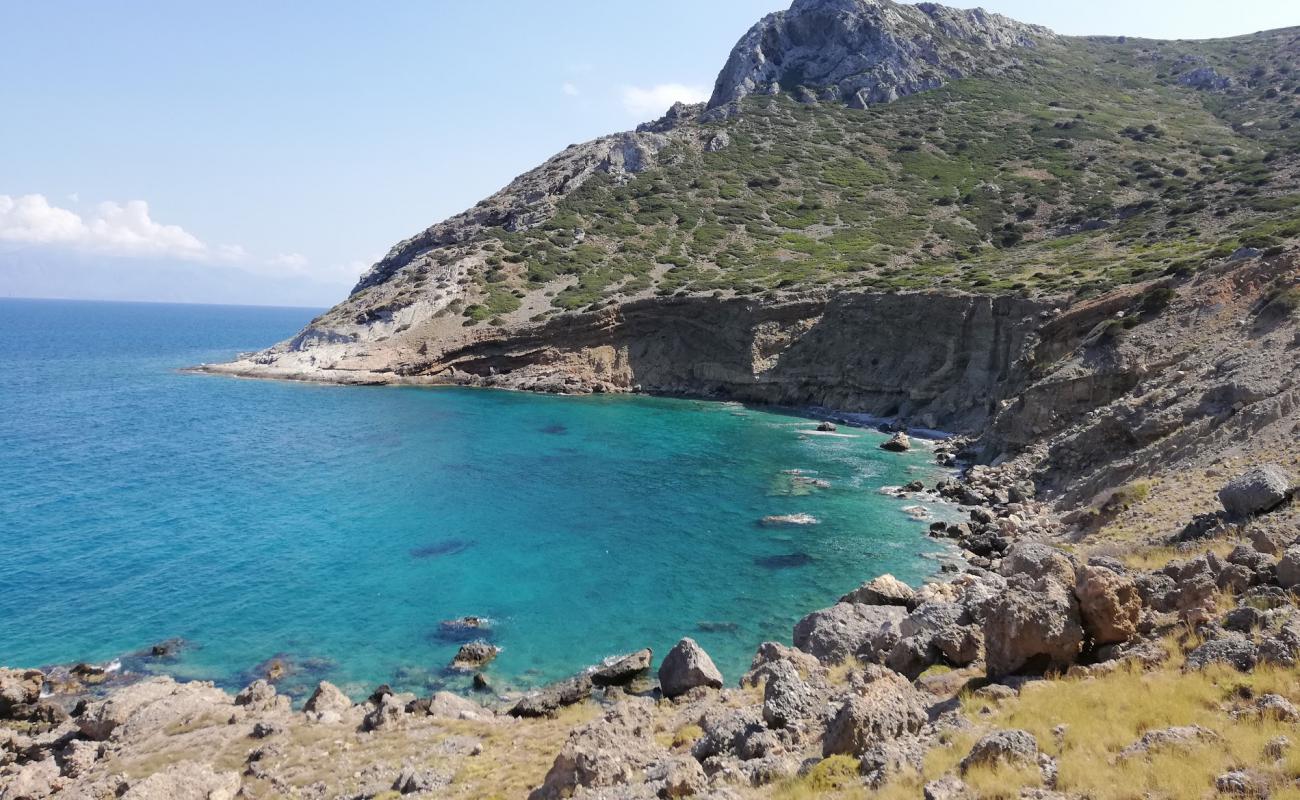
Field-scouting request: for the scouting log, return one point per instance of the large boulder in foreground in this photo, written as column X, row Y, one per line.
column 849, row 629
column 1255, row 491
column 686, row 667
column 1109, row 604
column 887, row 707
column 146, row 708
column 614, row 750
column 1033, row 625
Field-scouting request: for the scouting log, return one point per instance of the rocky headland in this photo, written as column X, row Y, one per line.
column 1077, row 253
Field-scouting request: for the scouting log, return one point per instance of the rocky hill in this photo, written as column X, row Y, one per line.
column 851, row 147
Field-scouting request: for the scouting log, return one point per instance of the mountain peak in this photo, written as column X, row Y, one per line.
column 864, row 52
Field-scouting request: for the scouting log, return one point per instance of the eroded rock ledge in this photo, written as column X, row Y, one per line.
column 935, row 359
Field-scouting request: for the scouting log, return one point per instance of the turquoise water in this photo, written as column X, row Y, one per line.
column 338, row 526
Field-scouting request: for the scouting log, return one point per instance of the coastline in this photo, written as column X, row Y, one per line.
column 124, row 669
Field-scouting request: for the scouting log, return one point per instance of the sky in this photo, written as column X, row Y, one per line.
column 267, row 153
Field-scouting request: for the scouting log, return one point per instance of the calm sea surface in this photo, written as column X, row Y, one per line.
column 337, row 526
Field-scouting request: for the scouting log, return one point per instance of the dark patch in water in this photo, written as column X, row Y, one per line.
column 439, row 549
column 787, row 561
column 717, row 627
column 555, row 429
column 459, row 631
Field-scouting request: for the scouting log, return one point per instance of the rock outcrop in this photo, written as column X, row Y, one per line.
column 865, row 52
column 687, row 667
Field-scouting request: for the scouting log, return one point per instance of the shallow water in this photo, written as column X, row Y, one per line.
column 340, row 525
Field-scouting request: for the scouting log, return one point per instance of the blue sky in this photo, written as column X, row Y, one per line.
column 268, row 152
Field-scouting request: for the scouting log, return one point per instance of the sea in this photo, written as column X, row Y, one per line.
column 338, row 528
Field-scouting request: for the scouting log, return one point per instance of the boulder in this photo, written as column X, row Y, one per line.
column 686, row 667
column 787, row 697
column 826, row 427
column 1277, row 707
column 885, row 708
column 260, row 696
column 389, row 713
column 1268, row 537
column 327, row 698
column 1288, row 568
column 770, row 655
column 1243, row 783
column 1230, row 648
column 849, row 629
column 935, row 632
column 948, row 787
column 1032, row 625
column 547, row 701
column 727, row 731
column 1177, row 738
column 898, row 443
column 678, row 776
column 185, row 781
column 32, row 781
column 1038, row 560
column 612, row 751
column 79, row 756
column 19, row 688
column 474, row 655
column 885, row 590
column 448, row 705
column 1004, row 747
column 1109, row 604
column 415, row 781
column 1255, row 491
column 623, row 670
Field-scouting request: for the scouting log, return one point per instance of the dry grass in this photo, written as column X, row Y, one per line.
column 1102, row 716
column 834, row 777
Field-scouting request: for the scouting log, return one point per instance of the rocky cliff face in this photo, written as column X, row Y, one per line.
column 861, row 352
column 864, row 52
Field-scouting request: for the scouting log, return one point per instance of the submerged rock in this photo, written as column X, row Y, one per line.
column 686, row 667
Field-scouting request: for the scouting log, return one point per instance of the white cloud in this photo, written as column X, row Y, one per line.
column 115, row 229
column 291, row 261
column 655, row 100
column 570, row 89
